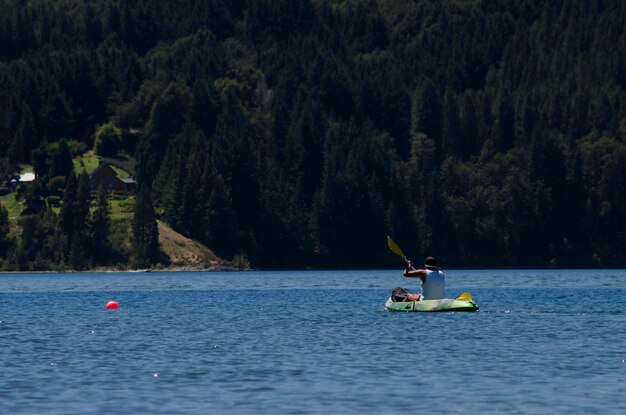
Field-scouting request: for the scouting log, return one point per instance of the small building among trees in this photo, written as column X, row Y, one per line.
column 105, row 175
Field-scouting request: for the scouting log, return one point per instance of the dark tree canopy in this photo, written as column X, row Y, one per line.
column 301, row 132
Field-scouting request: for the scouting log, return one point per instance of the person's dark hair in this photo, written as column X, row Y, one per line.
column 430, row 262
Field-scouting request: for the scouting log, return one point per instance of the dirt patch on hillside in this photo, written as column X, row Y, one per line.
column 186, row 254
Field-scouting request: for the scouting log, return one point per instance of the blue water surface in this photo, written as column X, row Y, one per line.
column 544, row 341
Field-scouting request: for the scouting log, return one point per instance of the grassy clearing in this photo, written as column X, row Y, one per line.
column 15, row 209
column 11, row 204
column 86, row 163
column 120, row 237
column 122, row 209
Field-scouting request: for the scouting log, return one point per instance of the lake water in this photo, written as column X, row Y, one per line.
column 544, row 342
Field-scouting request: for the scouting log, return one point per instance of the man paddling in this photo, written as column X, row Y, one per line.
column 433, row 280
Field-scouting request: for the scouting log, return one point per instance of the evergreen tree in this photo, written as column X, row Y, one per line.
column 61, row 163
column 145, row 232
column 426, row 113
column 40, row 163
column 168, row 115
column 29, row 242
column 67, row 215
column 82, row 203
column 108, row 141
column 101, row 226
column 468, row 119
column 77, row 258
column 450, row 130
column 5, row 238
column 34, row 198
column 25, row 136
column 220, row 222
column 80, row 245
column 503, row 115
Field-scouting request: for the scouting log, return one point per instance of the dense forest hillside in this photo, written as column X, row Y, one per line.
column 294, row 133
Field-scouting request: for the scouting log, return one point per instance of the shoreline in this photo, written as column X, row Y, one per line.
column 177, row 268
column 231, row 268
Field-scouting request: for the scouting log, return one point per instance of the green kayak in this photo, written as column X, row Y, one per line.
column 462, row 303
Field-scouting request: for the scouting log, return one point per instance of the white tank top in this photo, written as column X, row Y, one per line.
column 434, row 287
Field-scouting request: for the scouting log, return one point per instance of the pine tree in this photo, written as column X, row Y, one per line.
column 80, row 241
column 29, row 242
column 77, row 258
column 39, row 160
column 34, row 198
column 83, row 203
column 24, row 137
column 5, row 239
column 68, row 209
column 61, row 164
column 101, row 226
column 469, row 126
column 504, row 118
column 426, row 110
column 220, row 222
column 168, row 115
column 450, row 129
column 145, row 237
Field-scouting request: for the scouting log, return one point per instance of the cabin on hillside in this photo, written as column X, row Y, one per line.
column 105, row 175
column 24, row 179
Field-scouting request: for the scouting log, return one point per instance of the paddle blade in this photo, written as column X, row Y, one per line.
column 465, row 296
column 394, row 247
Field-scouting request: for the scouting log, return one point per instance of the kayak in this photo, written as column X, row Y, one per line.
column 444, row 304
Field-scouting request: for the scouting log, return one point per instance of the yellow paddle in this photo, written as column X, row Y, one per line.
column 395, row 248
column 464, row 296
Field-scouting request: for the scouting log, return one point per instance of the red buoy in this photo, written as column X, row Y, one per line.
column 112, row 305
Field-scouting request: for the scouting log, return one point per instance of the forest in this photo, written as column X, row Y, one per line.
column 300, row 133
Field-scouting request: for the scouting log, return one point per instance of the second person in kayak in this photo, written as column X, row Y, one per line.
column 433, row 280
